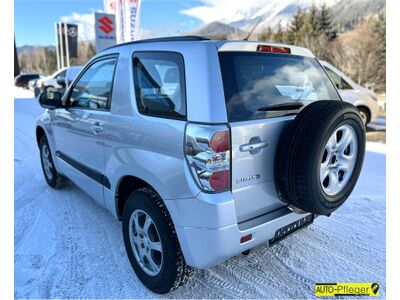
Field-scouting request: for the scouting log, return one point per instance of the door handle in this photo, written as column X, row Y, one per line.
column 252, row 146
column 96, row 128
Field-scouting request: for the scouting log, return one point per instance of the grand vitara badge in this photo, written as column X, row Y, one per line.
column 248, row 178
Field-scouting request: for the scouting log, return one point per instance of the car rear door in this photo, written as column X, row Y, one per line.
column 79, row 128
column 263, row 93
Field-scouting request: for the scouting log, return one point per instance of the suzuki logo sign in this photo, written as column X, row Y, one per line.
column 104, row 30
column 106, row 24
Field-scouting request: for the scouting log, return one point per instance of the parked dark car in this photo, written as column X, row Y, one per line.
column 22, row 80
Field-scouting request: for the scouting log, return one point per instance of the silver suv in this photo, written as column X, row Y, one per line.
column 203, row 149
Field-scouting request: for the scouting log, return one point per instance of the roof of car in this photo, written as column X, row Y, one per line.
column 222, row 45
column 184, row 38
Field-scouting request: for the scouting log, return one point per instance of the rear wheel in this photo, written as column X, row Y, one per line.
column 151, row 242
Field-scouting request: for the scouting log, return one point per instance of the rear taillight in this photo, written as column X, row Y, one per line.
column 208, row 152
column 273, row 49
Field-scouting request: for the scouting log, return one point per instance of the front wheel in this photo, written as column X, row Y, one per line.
column 53, row 178
column 151, row 243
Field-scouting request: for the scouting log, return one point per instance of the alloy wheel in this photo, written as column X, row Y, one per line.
column 338, row 160
column 145, row 242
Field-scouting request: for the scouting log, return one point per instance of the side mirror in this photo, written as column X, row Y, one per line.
column 61, row 81
column 50, row 100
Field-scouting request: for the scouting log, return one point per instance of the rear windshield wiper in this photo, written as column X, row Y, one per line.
column 282, row 106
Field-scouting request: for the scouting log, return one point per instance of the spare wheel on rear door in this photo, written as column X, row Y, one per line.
column 319, row 157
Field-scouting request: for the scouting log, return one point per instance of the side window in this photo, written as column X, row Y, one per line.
column 93, row 89
column 335, row 77
column 62, row 74
column 345, row 85
column 159, row 84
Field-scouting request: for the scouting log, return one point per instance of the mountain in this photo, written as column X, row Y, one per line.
column 348, row 13
column 275, row 12
column 345, row 15
column 215, row 29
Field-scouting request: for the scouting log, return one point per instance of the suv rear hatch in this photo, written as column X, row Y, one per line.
column 264, row 90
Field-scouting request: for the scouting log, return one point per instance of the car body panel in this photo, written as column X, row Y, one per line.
column 253, row 180
column 358, row 96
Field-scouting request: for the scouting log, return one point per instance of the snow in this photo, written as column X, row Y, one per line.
column 68, row 247
column 22, row 93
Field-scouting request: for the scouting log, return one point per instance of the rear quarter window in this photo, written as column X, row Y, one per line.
column 159, row 84
column 253, row 81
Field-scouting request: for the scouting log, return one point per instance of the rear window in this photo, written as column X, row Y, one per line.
column 254, row 82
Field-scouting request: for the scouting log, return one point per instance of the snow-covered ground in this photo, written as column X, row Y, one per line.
column 68, row 247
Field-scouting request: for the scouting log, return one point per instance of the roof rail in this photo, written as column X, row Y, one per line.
column 184, row 38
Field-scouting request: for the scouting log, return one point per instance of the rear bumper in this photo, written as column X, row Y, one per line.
column 209, row 234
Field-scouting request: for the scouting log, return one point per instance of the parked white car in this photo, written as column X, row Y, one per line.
column 364, row 99
column 52, row 82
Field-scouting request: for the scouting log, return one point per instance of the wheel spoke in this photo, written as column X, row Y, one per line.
column 136, row 223
column 142, row 254
column 324, row 170
column 136, row 240
column 345, row 162
column 153, row 265
column 156, row 246
column 331, row 145
column 147, row 224
column 333, row 180
column 345, row 140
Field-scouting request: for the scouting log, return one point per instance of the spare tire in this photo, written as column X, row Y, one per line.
column 320, row 156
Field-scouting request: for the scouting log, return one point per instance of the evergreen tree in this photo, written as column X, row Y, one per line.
column 266, row 35
column 279, row 35
column 312, row 25
column 295, row 27
column 380, row 31
column 325, row 22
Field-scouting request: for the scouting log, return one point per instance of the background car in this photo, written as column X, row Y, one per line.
column 56, row 81
column 22, row 80
column 33, row 82
column 364, row 99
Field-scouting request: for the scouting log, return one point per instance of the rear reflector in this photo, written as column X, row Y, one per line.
column 273, row 49
column 246, row 238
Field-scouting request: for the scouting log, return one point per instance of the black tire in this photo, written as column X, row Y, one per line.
column 300, row 153
column 365, row 115
column 174, row 272
column 56, row 180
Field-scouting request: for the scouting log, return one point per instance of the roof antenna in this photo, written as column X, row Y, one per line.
column 252, row 30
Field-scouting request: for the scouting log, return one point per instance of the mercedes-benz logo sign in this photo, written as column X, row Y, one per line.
column 72, row 32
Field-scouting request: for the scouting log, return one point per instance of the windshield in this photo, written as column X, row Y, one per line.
column 253, row 82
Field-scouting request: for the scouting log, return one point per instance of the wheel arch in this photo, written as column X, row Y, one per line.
column 368, row 110
column 125, row 186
